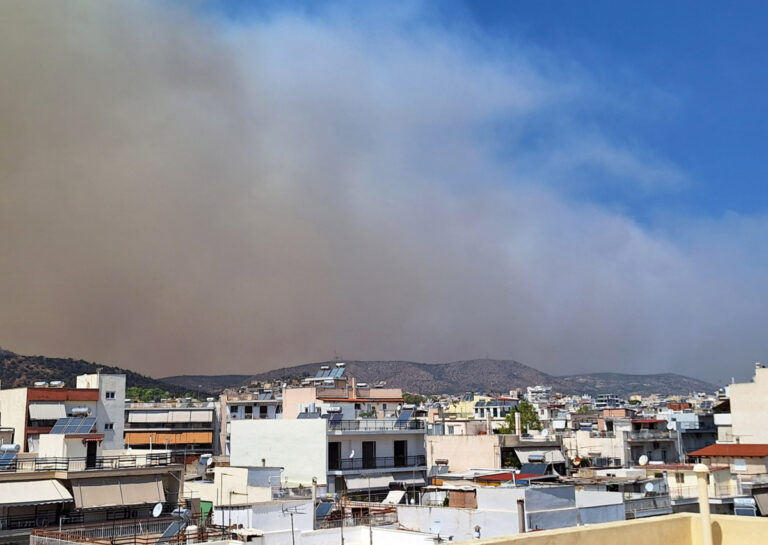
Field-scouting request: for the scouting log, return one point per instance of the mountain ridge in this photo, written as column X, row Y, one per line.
column 470, row 375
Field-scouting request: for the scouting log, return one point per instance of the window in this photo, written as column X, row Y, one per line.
column 109, row 426
column 739, row 464
column 109, row 395
column 679, row 478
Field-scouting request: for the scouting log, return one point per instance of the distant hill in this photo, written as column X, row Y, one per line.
column 467, row 376
column 17, row 370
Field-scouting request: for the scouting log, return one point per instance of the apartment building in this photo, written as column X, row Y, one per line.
column 748, row 408
column 234, row 405
column 181, row 426
column 343, row 456
column 33, row 411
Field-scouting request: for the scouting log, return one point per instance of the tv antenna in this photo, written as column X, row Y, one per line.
column 290, row 511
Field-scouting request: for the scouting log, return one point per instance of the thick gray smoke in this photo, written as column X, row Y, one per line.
column 179, row 194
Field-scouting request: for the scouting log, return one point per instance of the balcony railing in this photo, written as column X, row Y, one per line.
column 725, row 490
column 650, row 435
column 379, row 462
column 603, row 434
column 20, row 465
column 638, row 507
column 370, row 424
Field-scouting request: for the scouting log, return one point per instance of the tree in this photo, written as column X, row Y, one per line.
column 413, row 399
column 529, row 420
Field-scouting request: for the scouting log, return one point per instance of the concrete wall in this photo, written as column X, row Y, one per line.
column 295, row 397
column 108, row 411
column 749, row 410
column 583, row 444
column 13, row 413
column 457, row 522
column 299, row 446
column 464, row 452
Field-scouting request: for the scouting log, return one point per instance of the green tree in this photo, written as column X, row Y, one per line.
column 529, row 420
column 414, row 399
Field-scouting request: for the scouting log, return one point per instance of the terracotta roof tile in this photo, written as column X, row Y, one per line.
column 734, row 449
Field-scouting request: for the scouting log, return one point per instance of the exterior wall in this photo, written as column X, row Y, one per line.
column 753, row 466
column 299, row 446
column 293, row 398
column 464, row 452
column 749, row 410
column 585, row 444
column 457, row 522
column 13, row 413
column 229, row 487
column 108, row 411
column 270, row 517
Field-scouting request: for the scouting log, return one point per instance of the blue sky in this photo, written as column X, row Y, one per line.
column 696, row 68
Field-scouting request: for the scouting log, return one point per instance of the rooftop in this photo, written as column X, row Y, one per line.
column 745, row 450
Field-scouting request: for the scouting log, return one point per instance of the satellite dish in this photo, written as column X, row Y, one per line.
column 544, row 432
column 649, row 487
column 209, row 461
column 157, row 509
column 643, row 460
column 670, row 426
column 352, row 454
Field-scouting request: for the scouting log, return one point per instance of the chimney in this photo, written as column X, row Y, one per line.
column 518, row 426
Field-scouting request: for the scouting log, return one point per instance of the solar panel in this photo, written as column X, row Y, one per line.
column 335, row 421
column 6, row 458
column 60, row 425
column 75, row 424
column 307, row 415
column 323, row 508
column 402, row 420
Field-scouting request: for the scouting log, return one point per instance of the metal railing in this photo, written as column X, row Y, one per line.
column 603, row 434
column 376, row 519
column 725, row 490
column 379, row 462
column 87, row 464
column 638, row 506
column 199, row 535
column 371, row 424
column 650, row 435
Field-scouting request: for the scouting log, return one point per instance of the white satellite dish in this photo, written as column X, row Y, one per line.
column 209, row 461
column 157, row 509
column 649, row 487
column 544, row 432
column 352, row 454
column 670, row 426
column 643, row 460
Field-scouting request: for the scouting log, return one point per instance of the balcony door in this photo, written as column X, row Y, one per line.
column 401, row 453
column 334, row 455
column 369, row 454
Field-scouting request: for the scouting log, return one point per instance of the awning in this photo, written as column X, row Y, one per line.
column 47, row 411
column 201, row 416
column 33, row 493
column 161, row 438
column 90, row 493
column 394, row 497
column 762, row 502
column 179, row 416
column 157, row 416
column 551, row 455
column 359, row 482
column 409, row 478
column 137, row 417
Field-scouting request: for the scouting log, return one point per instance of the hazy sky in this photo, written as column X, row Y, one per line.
column 233, row 187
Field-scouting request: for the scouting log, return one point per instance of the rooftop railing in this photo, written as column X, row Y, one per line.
column 650, row 435
column 379, row 462
column 96, row 463
column 370, row 424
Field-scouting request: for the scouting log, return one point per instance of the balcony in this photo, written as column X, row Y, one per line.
column 724, row 490
column 651, row 435
column 379, row 462
column 97, row 463
column 373, row 425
